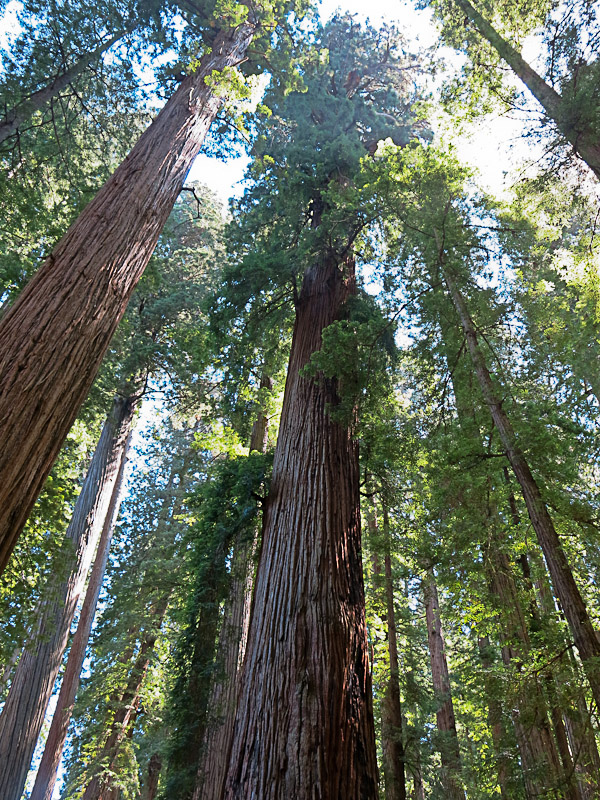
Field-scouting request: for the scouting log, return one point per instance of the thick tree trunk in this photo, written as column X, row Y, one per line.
column 23, row 714
column 24, row 110
column 48, row 769
column 446, row 723
column 573, row 605
column 56, row 333
column 304, row 727
column 231, row 647
column 585, row 142
column 391, row 713
column 99, row 787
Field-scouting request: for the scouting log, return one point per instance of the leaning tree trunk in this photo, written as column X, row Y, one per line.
column 446, row 722
column 231, row 647
column 572, row 602
column 23, row 713
column 304, row 726
column 48, row 769
column 54, row 336
column 23, row 111
column 586, row 141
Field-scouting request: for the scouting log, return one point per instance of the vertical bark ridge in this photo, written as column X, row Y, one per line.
column 23, row 713
column 304, row 726
column 56, row 333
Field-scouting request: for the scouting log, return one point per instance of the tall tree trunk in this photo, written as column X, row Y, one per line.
column 446, row 723
column 231, row 647
column 304, row 726
column 572, row 602
column 56, row 333
column 585, row 142
column 151, row 785
column 48, row 769
column 23, row 713
column 37, row 100
column 99, row 787
column 391, row 714
column 495, row 719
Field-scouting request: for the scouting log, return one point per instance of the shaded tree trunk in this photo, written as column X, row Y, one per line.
column 584, row 141
column 151, row 785
column 37, row 100
column 231, row 647
column 495, row 719
column 56, row 332
column 572, row 602
column 48, row 769
column 99, row 787
column 23, row 713
column 304, row 726
column 391, row 714
column 446, row 723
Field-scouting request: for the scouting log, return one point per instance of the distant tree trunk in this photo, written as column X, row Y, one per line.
column 48, row 769
column 495, row 720
column 585, row 142
column 55, row 334
column 99, row 787
column 23, row 111
column 391, row 714
column 151, row 785
column 446, row 723
column 23, row 713
column 304, row 726
column 570, row 597
column 230, row 649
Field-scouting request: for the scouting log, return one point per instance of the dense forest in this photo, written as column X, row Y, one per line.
column 299, row 498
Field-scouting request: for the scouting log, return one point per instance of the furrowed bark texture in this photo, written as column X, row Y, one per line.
column 53, row 338
column 304, row 727
column 231, row 648
column 446, row 722
column 391, row 713
column 568, row 593
column 48, row 769
column 23, row 714
column 37, row 100
column 585, row 142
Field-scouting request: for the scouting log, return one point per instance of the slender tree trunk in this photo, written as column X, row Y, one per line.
column 154, row 768
column 446, row 723
column 230, row 650
column 573, row 605
column 23, row 713
column 585, row 142
column 304, row 727
column 99, row 787
column 495, row 717
column 391, row 714
column 48, row 769
column 27, row 107
column 56, row 333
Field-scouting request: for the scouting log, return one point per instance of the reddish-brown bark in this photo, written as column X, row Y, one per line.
column 572, row 602
column 23, row 713
column 495, row 720
column 304, row 727
column 53, row 338
column 446, row 722
column 48, row 769
column 151, row 785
